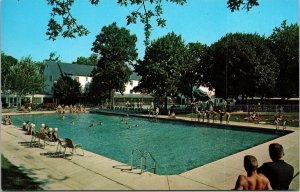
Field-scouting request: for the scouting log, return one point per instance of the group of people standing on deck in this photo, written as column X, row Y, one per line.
column 209, row 113
column 275, row 175
column 61, row 109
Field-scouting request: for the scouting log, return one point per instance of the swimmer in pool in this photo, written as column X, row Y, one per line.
column 92, row 124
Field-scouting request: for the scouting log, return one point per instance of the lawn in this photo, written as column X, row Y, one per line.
column 13, row 179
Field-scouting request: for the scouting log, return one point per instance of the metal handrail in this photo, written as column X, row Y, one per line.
column 143, row 155
column 132, row 157
column 154, row 161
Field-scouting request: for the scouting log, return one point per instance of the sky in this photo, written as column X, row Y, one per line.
column 24, row 24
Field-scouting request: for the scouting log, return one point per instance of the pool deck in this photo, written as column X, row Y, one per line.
column 95, row 172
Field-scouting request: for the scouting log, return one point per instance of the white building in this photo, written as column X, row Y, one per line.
column 82, row 73
column 54, row 71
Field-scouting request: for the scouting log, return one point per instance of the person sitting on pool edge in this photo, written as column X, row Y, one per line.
column 221, row 113
column 31, row 128
column 55, row 135
column 172, row 115
column 278, row 172
column 253, row 180
column 42, row 128
column 7, row 120
column 25, row 126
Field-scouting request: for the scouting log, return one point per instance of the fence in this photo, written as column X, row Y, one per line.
column 266, row 108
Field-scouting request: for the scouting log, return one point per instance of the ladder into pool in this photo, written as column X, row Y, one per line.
column 143, row 158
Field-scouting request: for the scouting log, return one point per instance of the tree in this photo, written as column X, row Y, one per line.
column 53, row 57
column 25, row 78
column 242, row 64
column 7, row 62
column 63, row 23
column 161, row 68
column 91, row 60
column 193, row 70
column 116, row 49
column 67, row 90
column 284, row 43
column 235, row 5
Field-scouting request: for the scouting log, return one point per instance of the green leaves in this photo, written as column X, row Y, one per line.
column 161, row 68
column 91, row 60
column 115, row 44
column 67, row 90
column 194, row 69
column 24, row 77
column 62, row 23
column 284, row 43
column 68, row 27
column 116, row 49
column 144, row 10
column 234, row 5
column 242, row 64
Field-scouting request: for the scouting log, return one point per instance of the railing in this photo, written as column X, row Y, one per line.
column 233, row 108
column 143, row 158
column 266, row 108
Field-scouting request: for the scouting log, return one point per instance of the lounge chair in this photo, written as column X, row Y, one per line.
column 34, row 138
column 70, row 144
column 38, row 137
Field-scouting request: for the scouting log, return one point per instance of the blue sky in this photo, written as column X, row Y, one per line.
column 24, row 24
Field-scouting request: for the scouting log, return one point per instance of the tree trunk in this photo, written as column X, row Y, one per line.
column 262, row 100
column 166, row 102
column 109, row 99
column 32, row 97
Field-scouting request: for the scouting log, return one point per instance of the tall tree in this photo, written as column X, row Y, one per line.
column 116, row 49
column 7, row 62
column 91, row 60
column 194, row 69
column 284, row 43
column 161, row 68
column 67, row 90
column 242, row 64
column 63, row 23
column 25, row 78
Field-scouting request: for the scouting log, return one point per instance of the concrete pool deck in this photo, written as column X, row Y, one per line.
column 95, row 172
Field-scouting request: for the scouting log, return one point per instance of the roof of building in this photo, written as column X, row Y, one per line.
column 70, row 69
column 77, row 69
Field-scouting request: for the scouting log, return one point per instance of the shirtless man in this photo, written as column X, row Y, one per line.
column 253, row 180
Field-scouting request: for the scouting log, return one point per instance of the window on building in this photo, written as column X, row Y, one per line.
column 77, row 79
column 131, row 91
column 86, row 79
column 131, row 83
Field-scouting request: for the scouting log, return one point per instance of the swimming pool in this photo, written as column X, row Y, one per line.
column 176, row 146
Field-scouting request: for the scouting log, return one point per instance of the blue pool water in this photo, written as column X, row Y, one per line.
column 176, row 146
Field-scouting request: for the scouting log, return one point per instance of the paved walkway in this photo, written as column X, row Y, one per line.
column 95, row 172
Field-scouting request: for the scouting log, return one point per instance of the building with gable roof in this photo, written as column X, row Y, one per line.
column 82, row 73
column 54, row 71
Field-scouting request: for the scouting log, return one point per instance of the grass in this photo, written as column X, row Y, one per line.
column 293, row 118
column 13, row 179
